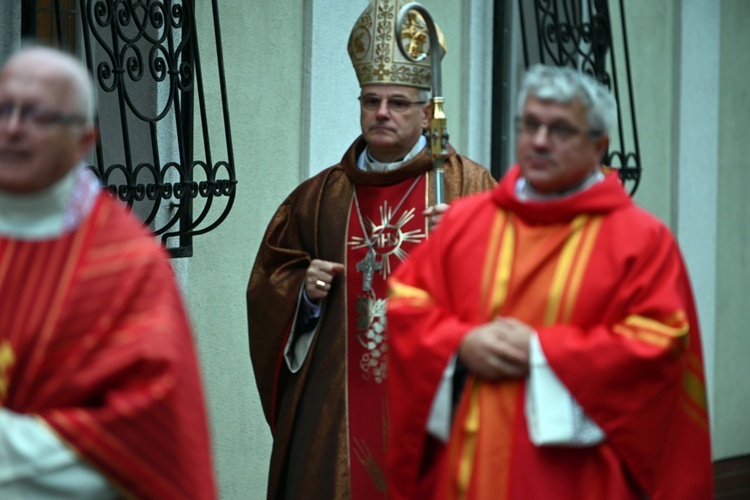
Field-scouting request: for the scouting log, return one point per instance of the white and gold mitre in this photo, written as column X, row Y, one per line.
column 374, row 50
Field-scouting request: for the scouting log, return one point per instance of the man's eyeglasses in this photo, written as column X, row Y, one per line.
column 37, row 117
column 557, row 132
column 395, row 104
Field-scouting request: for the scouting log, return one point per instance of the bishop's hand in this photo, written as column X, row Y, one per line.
column 434, row 214
column 319, row 277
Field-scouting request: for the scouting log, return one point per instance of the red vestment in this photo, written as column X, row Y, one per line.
column 605, row 287
column 96, row 343
column 328, row 419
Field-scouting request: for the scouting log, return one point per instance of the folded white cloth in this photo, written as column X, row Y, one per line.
column 35, row 463
column 553, row 416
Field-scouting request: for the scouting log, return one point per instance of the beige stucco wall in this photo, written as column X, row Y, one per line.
column 663, row 55
column 10, row 27
column 262, row 47
column 732, row 393
column 661, row 36
column 449, row 15
column 651, row 42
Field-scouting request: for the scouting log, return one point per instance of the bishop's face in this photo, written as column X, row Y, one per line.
column 392, row 119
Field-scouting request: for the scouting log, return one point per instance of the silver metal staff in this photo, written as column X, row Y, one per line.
column 438, row 122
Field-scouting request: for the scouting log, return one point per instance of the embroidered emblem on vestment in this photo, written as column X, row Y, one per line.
column 7, row 359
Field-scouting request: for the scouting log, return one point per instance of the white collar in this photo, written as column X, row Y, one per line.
column 369, row 164
column 526, row 192
column 51, row 212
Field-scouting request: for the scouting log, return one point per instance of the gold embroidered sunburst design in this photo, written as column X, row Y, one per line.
column 388, row 237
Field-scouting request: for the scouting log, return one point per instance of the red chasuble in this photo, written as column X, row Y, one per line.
column 95, row 342
column 604, row 285
column 385, row 223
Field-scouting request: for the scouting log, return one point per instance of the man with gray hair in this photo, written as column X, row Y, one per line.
column 100, row 394
column 571, row 311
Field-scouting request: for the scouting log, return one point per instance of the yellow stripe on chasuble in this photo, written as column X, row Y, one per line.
column 498, row 263
column 486, row 439
column 694, row 391
column 7, row 355
column 673, row 337
column 468, row 450
column 572, row 264
column 495, row 281
column 567, row 277
column 7, row 360
column 415, row 296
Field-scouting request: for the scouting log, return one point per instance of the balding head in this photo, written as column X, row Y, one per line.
column 67, row 69
column 46, row 118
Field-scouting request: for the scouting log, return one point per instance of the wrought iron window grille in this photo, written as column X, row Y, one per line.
column 170, row 163
column 581, row 34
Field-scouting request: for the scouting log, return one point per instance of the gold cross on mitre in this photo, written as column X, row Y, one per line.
column 416, row 33
column 387, row 48
column 7, row 359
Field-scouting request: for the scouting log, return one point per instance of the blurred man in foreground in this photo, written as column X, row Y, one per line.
column 100, row 395
column 571, row 310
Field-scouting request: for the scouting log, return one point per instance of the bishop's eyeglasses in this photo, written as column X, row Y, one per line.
column 36, row 117
column 371, row 102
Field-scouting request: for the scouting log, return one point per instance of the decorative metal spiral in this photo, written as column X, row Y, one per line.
column 145, row 59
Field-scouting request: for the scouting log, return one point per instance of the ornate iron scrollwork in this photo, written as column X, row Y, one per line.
column 165, row 146
column 145, row 59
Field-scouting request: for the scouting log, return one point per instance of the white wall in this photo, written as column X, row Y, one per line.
column 10, row 28
column 330, row 110
column 690, row 69
column 732, row 343
column 698, row 160
column 263, row 58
